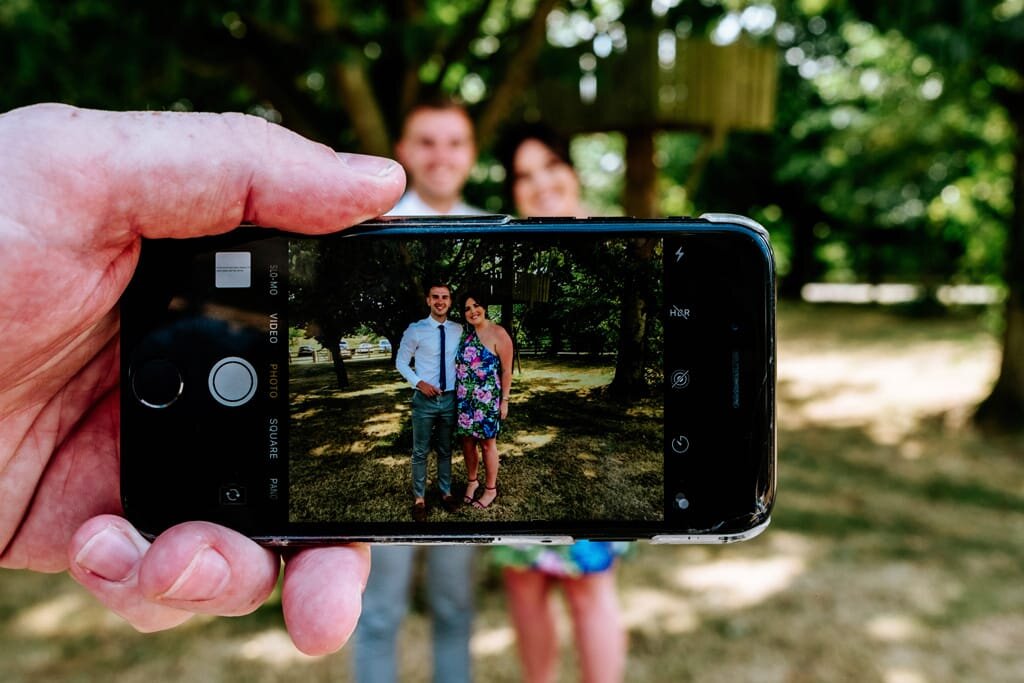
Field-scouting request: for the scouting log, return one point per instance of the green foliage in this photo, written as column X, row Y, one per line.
column 886, row 162
column 343, row 287
column 583, row 312
column 891, row 157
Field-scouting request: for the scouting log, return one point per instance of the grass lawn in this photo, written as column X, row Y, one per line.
column 568, row 452
column 894, row 556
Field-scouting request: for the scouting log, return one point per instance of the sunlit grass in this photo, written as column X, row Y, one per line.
column 894, row 555
column 568, row 451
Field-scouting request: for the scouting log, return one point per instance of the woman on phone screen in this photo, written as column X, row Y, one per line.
column 483, row 380
column 544, row 184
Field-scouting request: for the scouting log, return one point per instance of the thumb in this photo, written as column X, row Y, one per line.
column 172, row 174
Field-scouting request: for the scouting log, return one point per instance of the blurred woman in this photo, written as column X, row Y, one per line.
column 544, row 183
column 483, row 380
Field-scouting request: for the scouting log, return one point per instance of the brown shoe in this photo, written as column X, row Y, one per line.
column 419, row 512
column 449, row 502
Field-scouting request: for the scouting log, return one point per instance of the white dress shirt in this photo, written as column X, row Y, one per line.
column 421, row 346
column 411, row 204
column 421, row 341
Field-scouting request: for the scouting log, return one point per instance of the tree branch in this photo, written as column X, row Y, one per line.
column 268, row 62
column 360, row 101
column 459, row 45
column 352, row 80
column 410, row 89
column 519, row 69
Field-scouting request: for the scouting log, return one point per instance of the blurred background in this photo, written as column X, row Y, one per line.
column 881, row 145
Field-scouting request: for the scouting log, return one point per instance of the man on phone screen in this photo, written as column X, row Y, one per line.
column 426, row 359
column 438, row 150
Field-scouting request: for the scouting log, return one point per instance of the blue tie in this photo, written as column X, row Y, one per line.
column 440, row 328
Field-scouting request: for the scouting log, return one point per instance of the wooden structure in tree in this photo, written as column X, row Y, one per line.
column 662, row 82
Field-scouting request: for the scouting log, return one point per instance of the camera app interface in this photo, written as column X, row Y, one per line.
column 513, row 379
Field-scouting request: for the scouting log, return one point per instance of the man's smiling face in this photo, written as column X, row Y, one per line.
column 438, row 150
column 440, row 300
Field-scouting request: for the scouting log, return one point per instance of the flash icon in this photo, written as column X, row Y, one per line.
column 679, row 254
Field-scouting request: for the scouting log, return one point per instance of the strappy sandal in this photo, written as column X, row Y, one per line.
column 480, row 506
column 470, row 499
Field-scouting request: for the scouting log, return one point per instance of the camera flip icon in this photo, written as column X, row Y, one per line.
column 233, row 494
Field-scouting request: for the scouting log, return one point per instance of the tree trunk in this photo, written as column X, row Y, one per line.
column 629, row 380
column 629, row 365
column 340, row 371
column 508, row 285
column 802, row 261
column 1003, row 410
column 641, row 201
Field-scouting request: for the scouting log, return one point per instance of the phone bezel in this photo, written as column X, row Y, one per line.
column 277, row 532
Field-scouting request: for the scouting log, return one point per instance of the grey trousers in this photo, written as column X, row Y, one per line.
column 433, row 421
column 449, row 589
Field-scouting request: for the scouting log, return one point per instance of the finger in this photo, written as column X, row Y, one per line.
column 322, row 596
column 206, row 568
column 195, row 567
column 171, row 174
column 104, row 556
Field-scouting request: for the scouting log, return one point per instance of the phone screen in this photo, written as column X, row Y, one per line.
column 598, row 380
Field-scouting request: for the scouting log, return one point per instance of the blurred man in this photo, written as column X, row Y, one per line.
column 438, row 150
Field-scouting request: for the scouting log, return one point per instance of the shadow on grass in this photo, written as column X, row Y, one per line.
column 567, row 451
column 877, row 563
column 860, row 486
column 887, row 560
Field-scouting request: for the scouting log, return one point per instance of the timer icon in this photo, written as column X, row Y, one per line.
column 680, row 444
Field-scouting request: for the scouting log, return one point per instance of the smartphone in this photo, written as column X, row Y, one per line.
column 261, row 385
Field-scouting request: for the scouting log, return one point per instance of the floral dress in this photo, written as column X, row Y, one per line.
column 563, row 561
column 477, row 388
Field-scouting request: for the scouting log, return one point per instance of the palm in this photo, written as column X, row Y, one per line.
column 62, row 416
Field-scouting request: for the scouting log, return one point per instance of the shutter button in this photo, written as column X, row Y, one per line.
column 232, row 381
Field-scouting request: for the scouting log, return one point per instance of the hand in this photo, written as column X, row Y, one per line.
column 503, row 409
column 427, row 389
column 78, row 188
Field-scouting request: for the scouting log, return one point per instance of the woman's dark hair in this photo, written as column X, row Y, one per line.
column 476, row 296
column 515, row 136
